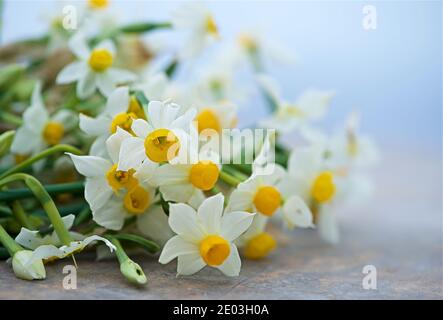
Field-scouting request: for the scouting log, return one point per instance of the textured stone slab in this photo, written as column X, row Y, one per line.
column 399, row 232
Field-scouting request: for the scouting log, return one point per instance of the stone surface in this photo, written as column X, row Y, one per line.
column 399, row 232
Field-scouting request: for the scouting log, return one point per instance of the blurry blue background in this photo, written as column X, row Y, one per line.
column 393, row 74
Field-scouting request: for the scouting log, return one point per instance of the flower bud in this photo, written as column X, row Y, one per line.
column 133, row 272
column 22, row 270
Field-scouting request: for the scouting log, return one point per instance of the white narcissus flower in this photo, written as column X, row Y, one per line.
column 162, row 138
column 94, row 68
column 31, row 239
column 311, row 105
column 40, row 129
column 113, row 194
column 268, row 191
column 319, row 186
column 205, row 237
column 120, row 111
column 198, row 22
column 187, row 182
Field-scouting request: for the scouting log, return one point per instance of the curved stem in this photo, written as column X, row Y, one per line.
column 41, row 155
column 46, row 201
column 8, row 242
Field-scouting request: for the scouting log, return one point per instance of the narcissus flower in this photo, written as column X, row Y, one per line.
column 40, row 129
column 198, row 21
column 187, row 182
column 94, row 68
column 120, row 111
column 111, row 193
column 162, row 138
column 309, row 106
column 205, row 237
column 319, row 186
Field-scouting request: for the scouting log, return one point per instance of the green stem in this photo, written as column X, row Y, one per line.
column 8, row 242
column 41, row 155
column 82, row 216
column 45, row 199
column 229, row 179
column 234, row 172
column 11, row 118
column 52, row 189
column 119, row 251
column 20, row 214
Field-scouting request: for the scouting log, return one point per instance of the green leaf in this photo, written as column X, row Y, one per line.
column 149, row 245
column 6, row 141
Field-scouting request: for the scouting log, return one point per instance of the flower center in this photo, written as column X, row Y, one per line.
column 207, row 119
column 124, row 121
column 211, row 26
column 121, row 179
column 204, row 175
column 53, row 132
column 161, row 145
column 260, row 246
column 267, row 200
column 137, row 200
column 136, row 109
column 98, row 4
column 323, row 188
column 214, row 250
column 100, row 60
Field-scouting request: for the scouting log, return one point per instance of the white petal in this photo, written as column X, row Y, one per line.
column 25, row 141
column 29, row 239
column 169, row 174
column 118, row 101
column 145, row 173
column 105, row 83
column 297, row 213
column 132, row 154
column 141, row 128
column 90, row 166
column 240, row 200
column 155, row 110
column 210, row 213
column 184, row 122
column 79, row 47
column 175, row 247
column 177, row 192
column 233, row 224
column 189, row 264
column 107, row 45
column 72, row 72
column 97, row 192
column 231, row 267
column 86, row 85
column 93, row 127
column 183, row 221
column 168, row 115
column 98, row 147
column 327, row 226
column 114, row 142
column 121, row 76
column 111, row 215
column 154, row 225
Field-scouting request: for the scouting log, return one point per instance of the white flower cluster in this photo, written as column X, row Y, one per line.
column 146, row 123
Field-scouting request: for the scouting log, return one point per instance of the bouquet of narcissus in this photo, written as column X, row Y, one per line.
column 122, row 139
